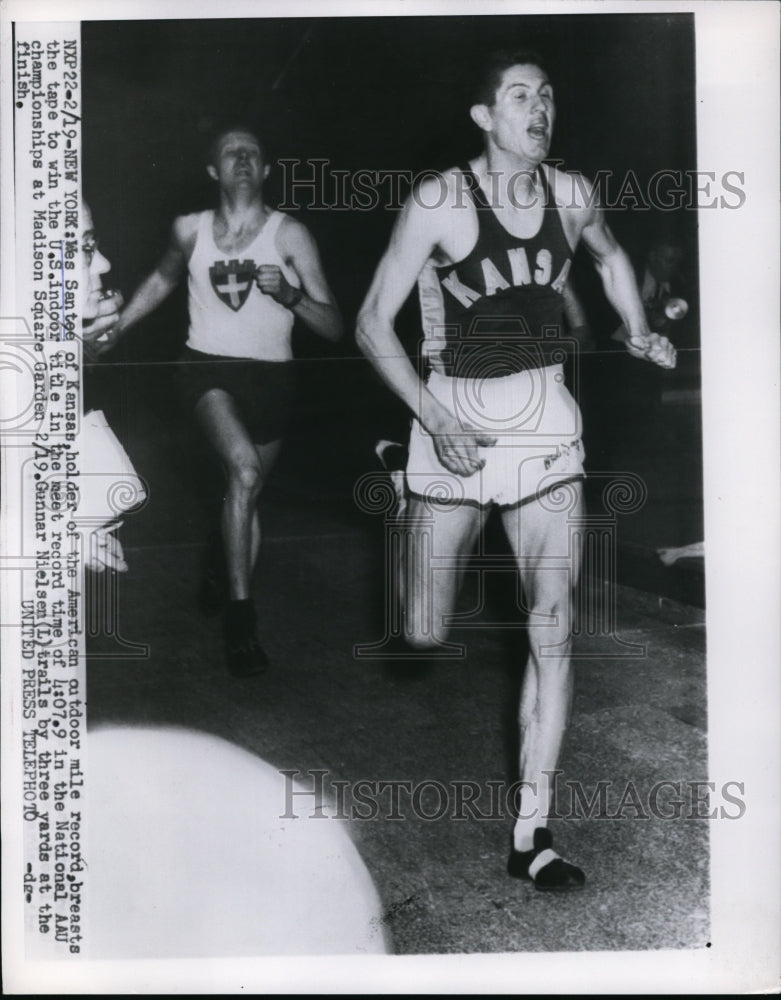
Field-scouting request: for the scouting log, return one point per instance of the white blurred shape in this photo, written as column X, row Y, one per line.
column 670, row 556
column 188, row 856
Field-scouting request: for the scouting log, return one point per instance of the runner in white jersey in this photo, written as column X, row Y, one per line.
column 252, row 270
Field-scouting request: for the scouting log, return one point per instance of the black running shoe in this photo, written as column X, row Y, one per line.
column 244, row 655
column 544, row 867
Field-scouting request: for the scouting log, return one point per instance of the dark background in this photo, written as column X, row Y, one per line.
column 387, row 94
column 364, row 93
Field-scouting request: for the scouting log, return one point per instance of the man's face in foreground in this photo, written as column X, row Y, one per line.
column 93, row 265
column 521, row 118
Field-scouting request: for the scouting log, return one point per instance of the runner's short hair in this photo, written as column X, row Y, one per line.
column 487, row 78
column 222, row 130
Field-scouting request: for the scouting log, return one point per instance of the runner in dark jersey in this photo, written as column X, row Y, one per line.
column 503, row 276
column 489, row 246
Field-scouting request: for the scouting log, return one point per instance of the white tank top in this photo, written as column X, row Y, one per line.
column 229, row 315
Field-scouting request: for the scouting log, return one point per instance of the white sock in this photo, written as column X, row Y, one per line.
column 529, row 819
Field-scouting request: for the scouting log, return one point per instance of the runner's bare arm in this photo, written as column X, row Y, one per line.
column 165, row 277
column 618, row 279
column 316, row 306
column 414, row 238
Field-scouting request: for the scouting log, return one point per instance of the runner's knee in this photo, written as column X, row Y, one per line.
column 246, row 475
column 550, row 615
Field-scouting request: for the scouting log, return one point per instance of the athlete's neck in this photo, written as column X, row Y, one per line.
column 509, row 180
column 241, row 214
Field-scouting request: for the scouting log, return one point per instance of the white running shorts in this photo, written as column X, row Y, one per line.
column 536, row 422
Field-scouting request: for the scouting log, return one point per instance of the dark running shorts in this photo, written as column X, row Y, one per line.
column 263, row 391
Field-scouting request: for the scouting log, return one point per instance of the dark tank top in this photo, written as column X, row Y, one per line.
column 499, row 310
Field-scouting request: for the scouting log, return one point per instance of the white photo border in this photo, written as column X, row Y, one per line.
column 737, row 73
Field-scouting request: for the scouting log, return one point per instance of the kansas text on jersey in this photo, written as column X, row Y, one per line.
column 500, row 309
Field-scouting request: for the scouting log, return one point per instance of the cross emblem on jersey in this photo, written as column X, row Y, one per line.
column 232, row 281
